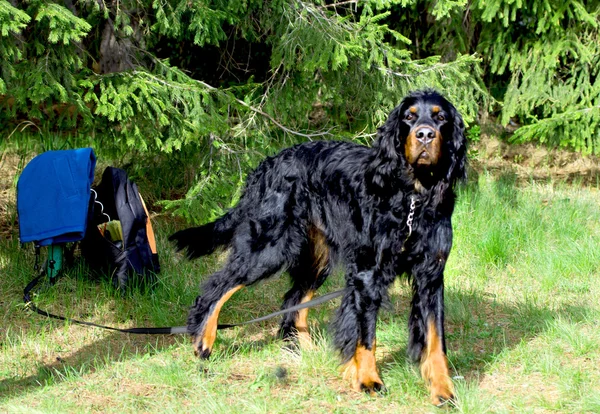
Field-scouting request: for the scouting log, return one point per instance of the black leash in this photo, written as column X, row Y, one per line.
column 171, row 330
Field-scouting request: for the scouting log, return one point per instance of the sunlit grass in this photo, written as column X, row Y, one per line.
column 523, row 305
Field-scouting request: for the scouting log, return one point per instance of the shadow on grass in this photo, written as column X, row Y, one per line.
column 479, row 327
column 483, row 328
column 115, row 347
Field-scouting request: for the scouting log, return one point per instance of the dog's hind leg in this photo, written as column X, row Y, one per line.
column 203, row 319
column 294, row 325
column 248, row 263
column 308, row 274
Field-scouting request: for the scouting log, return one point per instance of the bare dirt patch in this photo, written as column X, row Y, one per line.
column 10, row 165
column 534, row 162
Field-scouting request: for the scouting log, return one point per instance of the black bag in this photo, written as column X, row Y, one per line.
column 119, row 238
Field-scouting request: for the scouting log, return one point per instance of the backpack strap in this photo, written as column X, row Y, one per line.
column 149, row 230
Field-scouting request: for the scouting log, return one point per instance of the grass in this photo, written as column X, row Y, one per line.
column 523, row 305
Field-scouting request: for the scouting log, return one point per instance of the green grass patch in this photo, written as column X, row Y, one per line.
column 523, row 305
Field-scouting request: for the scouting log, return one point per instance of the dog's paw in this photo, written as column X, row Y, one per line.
column 442, row 392
column 201, row 349
column 436, row 375
column 287, row 333
column 296, row 339
column 364, row 378
column 373, row 388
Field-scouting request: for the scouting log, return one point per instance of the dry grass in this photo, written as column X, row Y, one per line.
column 523, row 305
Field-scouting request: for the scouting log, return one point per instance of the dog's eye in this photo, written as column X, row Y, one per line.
column 409, row 117
column 441, row 117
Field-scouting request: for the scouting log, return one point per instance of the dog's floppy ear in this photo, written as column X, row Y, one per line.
column 457, row 149
column 389, row 157
column 389, row 135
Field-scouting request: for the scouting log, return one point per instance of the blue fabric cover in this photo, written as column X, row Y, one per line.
column 53, row 194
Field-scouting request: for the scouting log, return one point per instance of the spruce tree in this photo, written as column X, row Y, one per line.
column 540, row 61
column 548, row 55
column 160, row 74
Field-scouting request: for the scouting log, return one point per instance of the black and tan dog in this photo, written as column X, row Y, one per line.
column 379, row 212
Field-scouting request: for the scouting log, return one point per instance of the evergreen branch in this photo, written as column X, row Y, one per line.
column 556, row 119
column 239, row 101
column 268, row 84
column 397, row 74
column 423, row 67
column 284, row 128
column 580, row 134
column 342, row 3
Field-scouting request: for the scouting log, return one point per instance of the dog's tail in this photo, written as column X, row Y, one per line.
column 203, row 240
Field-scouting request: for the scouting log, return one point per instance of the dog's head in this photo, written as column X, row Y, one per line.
column 425, row 135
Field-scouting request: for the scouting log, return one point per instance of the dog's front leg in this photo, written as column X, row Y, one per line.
column 426, row 335
column 355, row 328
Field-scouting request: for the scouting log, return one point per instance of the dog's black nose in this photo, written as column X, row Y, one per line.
column 425, row 135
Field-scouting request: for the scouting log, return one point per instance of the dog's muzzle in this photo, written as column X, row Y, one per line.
column 423, row 145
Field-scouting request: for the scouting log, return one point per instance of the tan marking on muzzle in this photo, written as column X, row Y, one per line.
column 413, row 148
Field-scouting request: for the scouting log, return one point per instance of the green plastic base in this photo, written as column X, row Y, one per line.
column 55, row 260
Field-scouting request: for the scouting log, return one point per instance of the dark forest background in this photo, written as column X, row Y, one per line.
column 226, row 79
